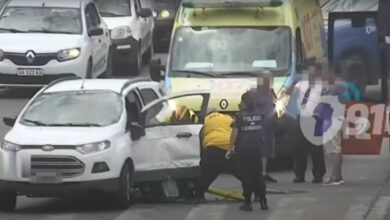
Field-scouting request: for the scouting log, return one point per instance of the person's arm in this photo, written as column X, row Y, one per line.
column 233, row 139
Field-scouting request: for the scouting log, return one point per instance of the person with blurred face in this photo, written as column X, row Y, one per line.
column 333, row 147
column 246, row 143
column 309, row 94
column 264, row 100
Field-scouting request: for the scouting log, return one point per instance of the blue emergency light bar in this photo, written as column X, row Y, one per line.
column 231, row 3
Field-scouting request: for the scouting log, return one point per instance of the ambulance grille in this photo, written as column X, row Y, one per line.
column 66, row 167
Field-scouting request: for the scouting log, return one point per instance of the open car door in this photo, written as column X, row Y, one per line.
column 366, row 81
column 169, row 148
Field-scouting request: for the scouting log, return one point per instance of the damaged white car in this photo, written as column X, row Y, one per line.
column 112, row 136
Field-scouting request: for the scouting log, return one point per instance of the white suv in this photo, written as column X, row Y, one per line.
column 41, row 41
column 109, row 135
column 131, row 27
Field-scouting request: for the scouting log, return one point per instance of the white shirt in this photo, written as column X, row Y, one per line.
column 313, row 99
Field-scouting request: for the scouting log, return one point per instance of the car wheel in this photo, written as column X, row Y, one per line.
column 89, row 70
column 7, row 200
column 124, row 195
column 109, row 68
column 147, row 57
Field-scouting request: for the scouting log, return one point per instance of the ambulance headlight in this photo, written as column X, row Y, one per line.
column 8, row 146
column 164, row 14
column 93, row 147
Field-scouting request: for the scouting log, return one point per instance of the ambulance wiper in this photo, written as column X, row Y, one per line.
column 241, row 73
column 200, row 73
column 37, row 123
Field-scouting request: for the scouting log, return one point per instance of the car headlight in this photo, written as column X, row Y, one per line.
column 120, row 32
column 164, row 14
column 1, row 55
column 68, row 54
column 10, row 146
column 93, row 147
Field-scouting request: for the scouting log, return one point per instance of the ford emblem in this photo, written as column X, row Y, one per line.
column 48, row 148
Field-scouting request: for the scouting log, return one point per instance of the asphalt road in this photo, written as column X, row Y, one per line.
column 365, row 196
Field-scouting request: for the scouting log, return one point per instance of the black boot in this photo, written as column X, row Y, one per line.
column 263, row 204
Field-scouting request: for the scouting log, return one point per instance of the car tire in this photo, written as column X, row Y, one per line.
column 7, row 200
column 108, row 73
column 147, row 57
column 124, row 196
column 89, row 70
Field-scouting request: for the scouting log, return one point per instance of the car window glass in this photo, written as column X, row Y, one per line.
column 95, row 15
column 114, row 8
column 178, row 111
column 89, row 17
column 41, row 20
column 133, row 106
column 148, row 95
column 74, row 109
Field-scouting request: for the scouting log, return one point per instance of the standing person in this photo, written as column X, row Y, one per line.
column 246, row 142
column 264, row 99
column 333, row 147
column 215, row 142
column 309, row 95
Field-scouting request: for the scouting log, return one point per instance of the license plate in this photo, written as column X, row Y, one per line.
column 30, row 72
column 46, row 177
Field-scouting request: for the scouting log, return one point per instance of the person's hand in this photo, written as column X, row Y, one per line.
column 229, row 154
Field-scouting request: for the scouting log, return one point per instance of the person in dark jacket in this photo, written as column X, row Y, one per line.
column 264, row 99
column 246, row 143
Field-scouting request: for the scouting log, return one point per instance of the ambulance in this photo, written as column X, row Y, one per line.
column 224, row 45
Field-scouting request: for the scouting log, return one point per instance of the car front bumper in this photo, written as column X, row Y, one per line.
column 63, row 189
column 51, row 71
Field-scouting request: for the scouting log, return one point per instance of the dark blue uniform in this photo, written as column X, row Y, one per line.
column 250, row 140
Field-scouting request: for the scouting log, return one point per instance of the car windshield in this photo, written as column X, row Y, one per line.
column 231, row 50
column 114, row 8
column 41, row 20
column 92, row 108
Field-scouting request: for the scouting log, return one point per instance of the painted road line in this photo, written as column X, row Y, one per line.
column 209, row 212
column 358, row 209
column 380, row 209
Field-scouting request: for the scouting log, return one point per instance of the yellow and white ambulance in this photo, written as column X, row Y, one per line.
column 224, row 45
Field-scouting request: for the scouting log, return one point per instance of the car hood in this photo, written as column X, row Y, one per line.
column 23, row 135
column 114, row 22
column 39, row 43
column 225, row 94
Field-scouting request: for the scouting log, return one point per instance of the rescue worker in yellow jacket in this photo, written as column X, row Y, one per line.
column 214, row 140
column 183, row 115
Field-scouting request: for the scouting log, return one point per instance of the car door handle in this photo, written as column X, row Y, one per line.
column 100, row 40
column 184, row 135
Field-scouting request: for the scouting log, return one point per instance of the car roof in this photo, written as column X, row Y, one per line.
column 46, row 3
column 115, row 85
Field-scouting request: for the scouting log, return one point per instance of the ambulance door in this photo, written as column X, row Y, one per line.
column 353, row 44
column 170, row 144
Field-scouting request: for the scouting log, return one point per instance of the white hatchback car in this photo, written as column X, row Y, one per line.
column 43, row 40
column 108, row 135
column 131, row 27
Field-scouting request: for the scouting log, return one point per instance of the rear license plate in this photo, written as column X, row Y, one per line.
column 46, row 177
column 30, row 72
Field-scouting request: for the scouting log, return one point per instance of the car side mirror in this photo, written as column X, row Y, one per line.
column 136, row 131
column 9, row 121
column 145, row 13
column 95, row 31
column 155, row 69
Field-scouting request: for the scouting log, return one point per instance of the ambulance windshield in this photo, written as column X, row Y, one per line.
column 226, row 50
